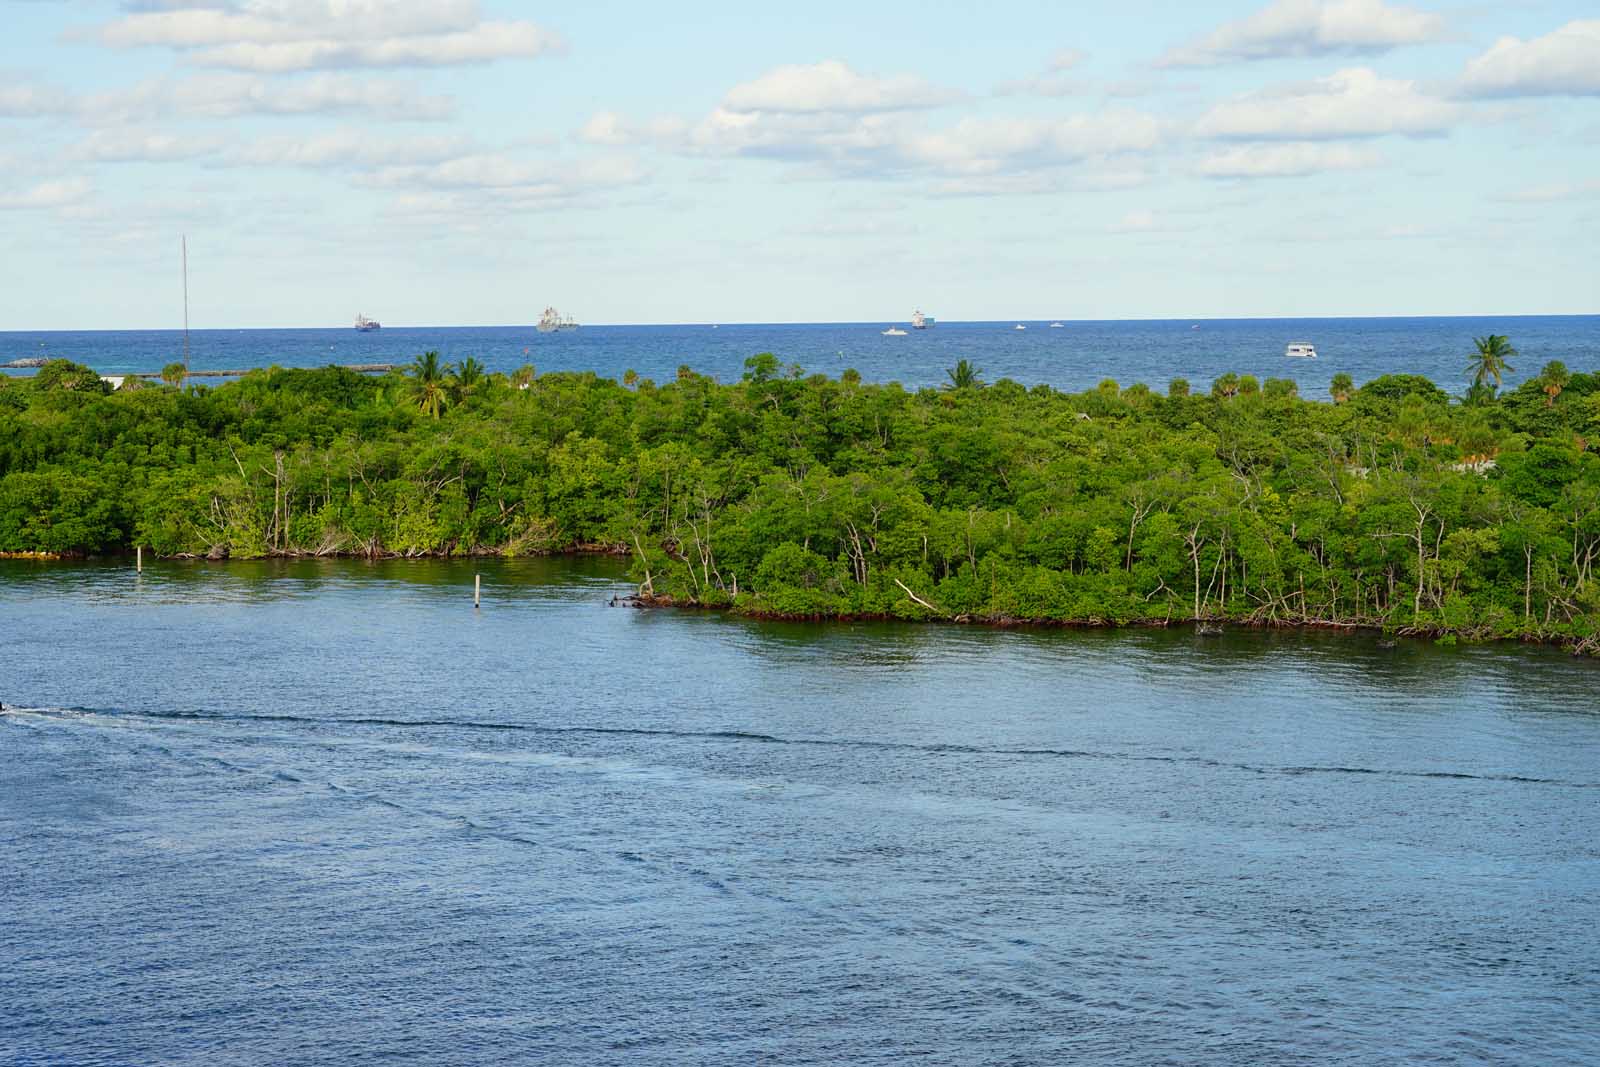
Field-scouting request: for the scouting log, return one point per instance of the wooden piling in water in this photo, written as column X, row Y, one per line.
column 477, row 589
column 138, row 559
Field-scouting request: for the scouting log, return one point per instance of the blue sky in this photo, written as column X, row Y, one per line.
column 452, row 162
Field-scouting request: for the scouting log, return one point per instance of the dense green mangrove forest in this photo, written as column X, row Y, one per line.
column 1394, row 505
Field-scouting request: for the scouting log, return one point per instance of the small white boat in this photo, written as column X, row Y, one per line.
column 894, row 331
column 1057, row 326
column 1301, row 350
column 1019, row 326
column 1196, row 326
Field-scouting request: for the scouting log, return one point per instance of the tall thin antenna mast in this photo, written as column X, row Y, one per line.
column 185, row 239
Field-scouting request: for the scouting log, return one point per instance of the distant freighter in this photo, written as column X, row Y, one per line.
column 552, row 320
column 366, row 325
column 919, row 321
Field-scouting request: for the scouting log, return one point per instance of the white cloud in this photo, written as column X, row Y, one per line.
column 347, row 148
column 277, row 36
column 58, row 194
column 222, row 96
column 1054, row 81
column 33, row 101
column 1286, row 160
column 972, row 147
column 514, row 179
column 233, row 95
column 1052, row 85
column 1067, row 58
column 1142, row 221
column 1146, row 221
column 1030, row 183
column 129, row 145
column 783, row 135
column 1351, row 103
column 832, row 86
column 193, row 25
column 481, row 44
column 1556, row 191
column 1565, row 62
column 1310, row 28
column 606, row 128
column 988, row 145
column 611, row 130
column 843, row 123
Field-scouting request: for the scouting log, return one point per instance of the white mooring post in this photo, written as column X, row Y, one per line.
column 138, row 559
column 477, row 589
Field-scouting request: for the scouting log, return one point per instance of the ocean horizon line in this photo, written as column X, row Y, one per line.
column 728, row 323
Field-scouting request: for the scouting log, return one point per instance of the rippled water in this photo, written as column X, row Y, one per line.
column 1077, row 356
column 325, row 813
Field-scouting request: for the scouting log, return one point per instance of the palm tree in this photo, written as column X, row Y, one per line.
column 1343, row 385
column 174, row 373
column 523, row 376
column 1178, row 387
column 630, row 377
column 1552, row 380
column 470, row 372
column 964, row 376
column 467, row 377
column 1225, row 386
column 428, row 383
column 1490, row 360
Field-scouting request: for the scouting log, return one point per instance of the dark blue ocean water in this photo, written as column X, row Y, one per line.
column 1076, row 356
column 324, row 813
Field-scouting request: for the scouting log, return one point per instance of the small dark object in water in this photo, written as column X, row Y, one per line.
column 1388, row 643
column 1208, row 629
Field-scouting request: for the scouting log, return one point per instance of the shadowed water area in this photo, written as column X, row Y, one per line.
column 326, row 813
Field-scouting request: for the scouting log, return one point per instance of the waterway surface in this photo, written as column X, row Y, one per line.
column 327, row 813
column 1075, row 356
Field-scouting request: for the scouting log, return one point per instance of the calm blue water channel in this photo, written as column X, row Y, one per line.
column 1076, row 356
column 325, row 813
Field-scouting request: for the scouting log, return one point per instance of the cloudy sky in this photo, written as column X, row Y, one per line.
column 457, row 162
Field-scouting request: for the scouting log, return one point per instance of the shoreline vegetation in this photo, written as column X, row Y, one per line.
column 1394, row 507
